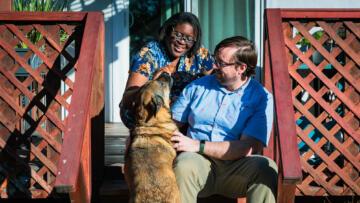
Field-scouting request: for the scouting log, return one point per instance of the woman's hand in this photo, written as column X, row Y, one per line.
column 184, row 143
column 168, row 69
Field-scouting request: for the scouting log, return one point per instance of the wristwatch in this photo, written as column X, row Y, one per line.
column 202, row 145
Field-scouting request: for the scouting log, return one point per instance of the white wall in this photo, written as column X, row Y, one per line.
column 312, row 3
column 117, row 42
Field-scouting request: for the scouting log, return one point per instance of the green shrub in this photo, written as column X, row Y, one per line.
column 39, row 5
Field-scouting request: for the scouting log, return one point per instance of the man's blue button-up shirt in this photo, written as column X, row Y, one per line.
column 216, row 114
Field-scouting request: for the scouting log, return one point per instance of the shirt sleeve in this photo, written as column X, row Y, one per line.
column 260, row 123
column 206, row 60
column 181, row 108
column 144, row 62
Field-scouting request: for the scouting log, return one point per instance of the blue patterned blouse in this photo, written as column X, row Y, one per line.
column 153, row 56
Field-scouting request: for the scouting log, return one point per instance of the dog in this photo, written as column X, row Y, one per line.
column 149, row 159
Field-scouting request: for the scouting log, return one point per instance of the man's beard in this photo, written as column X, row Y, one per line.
column 224, row 80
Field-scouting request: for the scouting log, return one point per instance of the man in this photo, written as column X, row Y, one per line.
column 230, row 118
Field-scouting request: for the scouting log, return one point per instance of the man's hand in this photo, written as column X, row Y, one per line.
column 184, row 143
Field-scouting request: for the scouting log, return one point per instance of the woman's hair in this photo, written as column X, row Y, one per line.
column 245, row 54
column 180, row 18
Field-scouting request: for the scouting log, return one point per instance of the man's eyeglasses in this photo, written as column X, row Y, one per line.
column 221, row 64
column 180, row 36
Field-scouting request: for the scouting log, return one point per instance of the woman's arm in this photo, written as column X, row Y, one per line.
column 135, row 81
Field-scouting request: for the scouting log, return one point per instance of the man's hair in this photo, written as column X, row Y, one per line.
column 181, row 18
column 246, row 53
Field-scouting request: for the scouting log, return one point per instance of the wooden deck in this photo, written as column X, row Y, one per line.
column 115, row 137
column 114, row 187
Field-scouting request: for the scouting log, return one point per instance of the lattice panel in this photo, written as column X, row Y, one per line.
column 324, row 66
column 36, row 84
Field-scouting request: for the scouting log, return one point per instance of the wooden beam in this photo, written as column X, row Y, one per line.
column 284, row 110
column 42, row 16
column 320, row 13
column 69, row 162
column 6, row 5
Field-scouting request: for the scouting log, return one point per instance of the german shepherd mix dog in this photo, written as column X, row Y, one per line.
column 149, row 160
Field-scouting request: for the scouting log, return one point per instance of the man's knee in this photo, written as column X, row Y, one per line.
column 188, row 163
column 267, row 172
column 191, row 168
column 263, row 187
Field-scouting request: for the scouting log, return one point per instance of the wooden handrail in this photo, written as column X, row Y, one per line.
column 84, row 111
column 39, row 16
column 320, row 13
column 284, row 111
column 78, row 120
column 323, row 72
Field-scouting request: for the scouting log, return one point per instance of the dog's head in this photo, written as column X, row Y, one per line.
column 153, row 100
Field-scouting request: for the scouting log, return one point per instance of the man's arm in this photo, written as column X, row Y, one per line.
column 232, row 150
column 227, row 150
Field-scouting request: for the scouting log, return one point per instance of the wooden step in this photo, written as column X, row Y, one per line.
column 116, row 129
column 115, row 138
column 114, row 187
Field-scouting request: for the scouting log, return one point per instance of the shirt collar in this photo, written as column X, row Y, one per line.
column 240, row 90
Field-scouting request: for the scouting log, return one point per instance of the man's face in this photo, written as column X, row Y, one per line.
column 226, row 71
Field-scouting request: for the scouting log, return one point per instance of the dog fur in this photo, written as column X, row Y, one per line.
column 149, row 160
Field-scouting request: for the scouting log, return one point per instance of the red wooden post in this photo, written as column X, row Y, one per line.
column 85, row 115
column 289, row 165
column 283, row 102
column 6, row 5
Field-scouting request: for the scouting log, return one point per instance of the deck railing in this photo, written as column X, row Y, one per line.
column 51, row 103
column 314, row 58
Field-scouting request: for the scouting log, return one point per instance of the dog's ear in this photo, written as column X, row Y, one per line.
column 141, row 107
column 158, row 102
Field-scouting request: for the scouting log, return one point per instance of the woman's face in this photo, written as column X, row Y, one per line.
column 181, row 39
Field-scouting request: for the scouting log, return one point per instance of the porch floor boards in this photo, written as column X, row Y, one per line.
column 115, row 137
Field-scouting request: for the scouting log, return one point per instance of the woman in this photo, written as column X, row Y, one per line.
column 178, row 52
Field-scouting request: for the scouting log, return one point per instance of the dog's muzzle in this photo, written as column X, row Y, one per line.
column 166, row 77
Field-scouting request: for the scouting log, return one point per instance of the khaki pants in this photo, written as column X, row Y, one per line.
column 253, row 177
